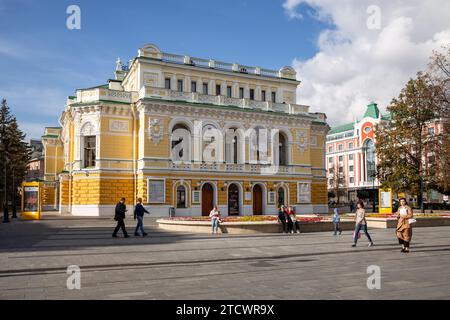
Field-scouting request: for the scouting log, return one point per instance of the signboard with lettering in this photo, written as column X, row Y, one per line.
column 385, row 201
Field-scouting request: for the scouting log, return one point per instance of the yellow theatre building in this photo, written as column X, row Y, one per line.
column 187, row 133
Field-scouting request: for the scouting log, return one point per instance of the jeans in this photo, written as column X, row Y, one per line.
column 215, row 225
column 120, row 224
column 140, row 225
column 337, row 227
column 364, row 228
column 296, row 226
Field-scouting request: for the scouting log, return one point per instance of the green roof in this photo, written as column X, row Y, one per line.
column 372, row 111
column 343, row 128
column 386, row 116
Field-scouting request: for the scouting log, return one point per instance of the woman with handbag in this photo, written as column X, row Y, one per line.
column 361, row 224
column 404, row 230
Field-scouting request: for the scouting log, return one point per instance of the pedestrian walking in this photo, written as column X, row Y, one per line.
column 295, row 223
column 404, row 229
column 139, row 211
column 361, row 224
column 119, row 216
column 215, row 219
column 336, row 220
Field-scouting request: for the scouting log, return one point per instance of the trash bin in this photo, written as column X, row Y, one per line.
column 171, row 212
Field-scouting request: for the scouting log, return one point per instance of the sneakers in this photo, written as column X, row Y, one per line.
column 354, row 245
column 340, row 232
column 406, row 250
column 144, row 234
column 370, row 244
column 298, row 231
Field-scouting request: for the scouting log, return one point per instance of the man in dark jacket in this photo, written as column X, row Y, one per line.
column 119, row 217
column 139, row 211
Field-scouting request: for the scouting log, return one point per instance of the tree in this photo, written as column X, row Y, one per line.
column 338, row 183
column 438, row 74
column 15, row 155
column 401, row 145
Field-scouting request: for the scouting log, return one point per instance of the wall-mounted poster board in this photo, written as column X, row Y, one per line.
column 156, row 190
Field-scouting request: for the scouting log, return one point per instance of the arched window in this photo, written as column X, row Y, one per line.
column 369, row 152
column 181, row 197
column 282, row 149
column 231, row 145
column 212, row 142
column 181, row 143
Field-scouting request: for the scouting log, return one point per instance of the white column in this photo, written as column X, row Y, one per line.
column 173, row 82
column 212, row 87
column 187, row 84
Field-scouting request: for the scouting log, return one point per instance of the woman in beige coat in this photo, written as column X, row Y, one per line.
column 404, row 230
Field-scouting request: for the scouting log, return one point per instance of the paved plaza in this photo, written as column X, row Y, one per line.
column 34, row 256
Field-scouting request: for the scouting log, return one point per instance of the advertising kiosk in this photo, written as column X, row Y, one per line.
column 385, row 198
column 31, row 200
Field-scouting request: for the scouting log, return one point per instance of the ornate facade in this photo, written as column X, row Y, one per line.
column 188, row 133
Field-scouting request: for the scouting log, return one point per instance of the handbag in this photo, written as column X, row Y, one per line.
column 411, row 221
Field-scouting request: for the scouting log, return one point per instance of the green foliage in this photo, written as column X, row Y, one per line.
column 14, row 152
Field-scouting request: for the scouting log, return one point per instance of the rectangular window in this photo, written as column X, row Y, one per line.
column 156, row 190
column 350, row 145
column 205, row 88
column 350, row 168
column 352, row 180
column 350, row 157
column 167, row 83
column 330, row 160
column 330, row 149
column 89, row 151
column 241, row 93
column 341, row 147
column 263, row 95
column 341, row 169
column 229, row 91
column 180, row 85
column 252, row 94
column 274, row 96
column 193, row 86
column 217, row 89
column 340, row 158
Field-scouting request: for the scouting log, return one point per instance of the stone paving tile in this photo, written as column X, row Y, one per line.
column 180, row 266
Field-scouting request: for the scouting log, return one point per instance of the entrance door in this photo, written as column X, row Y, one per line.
column 257, row 200
column 233, row 200
column 281, row 199
column 207, row 199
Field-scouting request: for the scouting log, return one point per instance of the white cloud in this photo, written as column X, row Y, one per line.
column 355, row 64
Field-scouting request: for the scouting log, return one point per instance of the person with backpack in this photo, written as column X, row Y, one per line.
column 139, row 211
column 119, row 216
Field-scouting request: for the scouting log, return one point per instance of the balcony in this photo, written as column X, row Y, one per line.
column 195, row 97
column 225, row 66
column 231, row 167
column 97, row 94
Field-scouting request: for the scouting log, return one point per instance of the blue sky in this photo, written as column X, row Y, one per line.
column 342, row 62
column 42, row 62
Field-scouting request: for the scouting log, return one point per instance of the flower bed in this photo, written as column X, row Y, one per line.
column 416, row 215
column 308, row 219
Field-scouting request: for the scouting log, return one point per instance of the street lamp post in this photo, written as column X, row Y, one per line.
column 5, row 204
column 14, row 209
